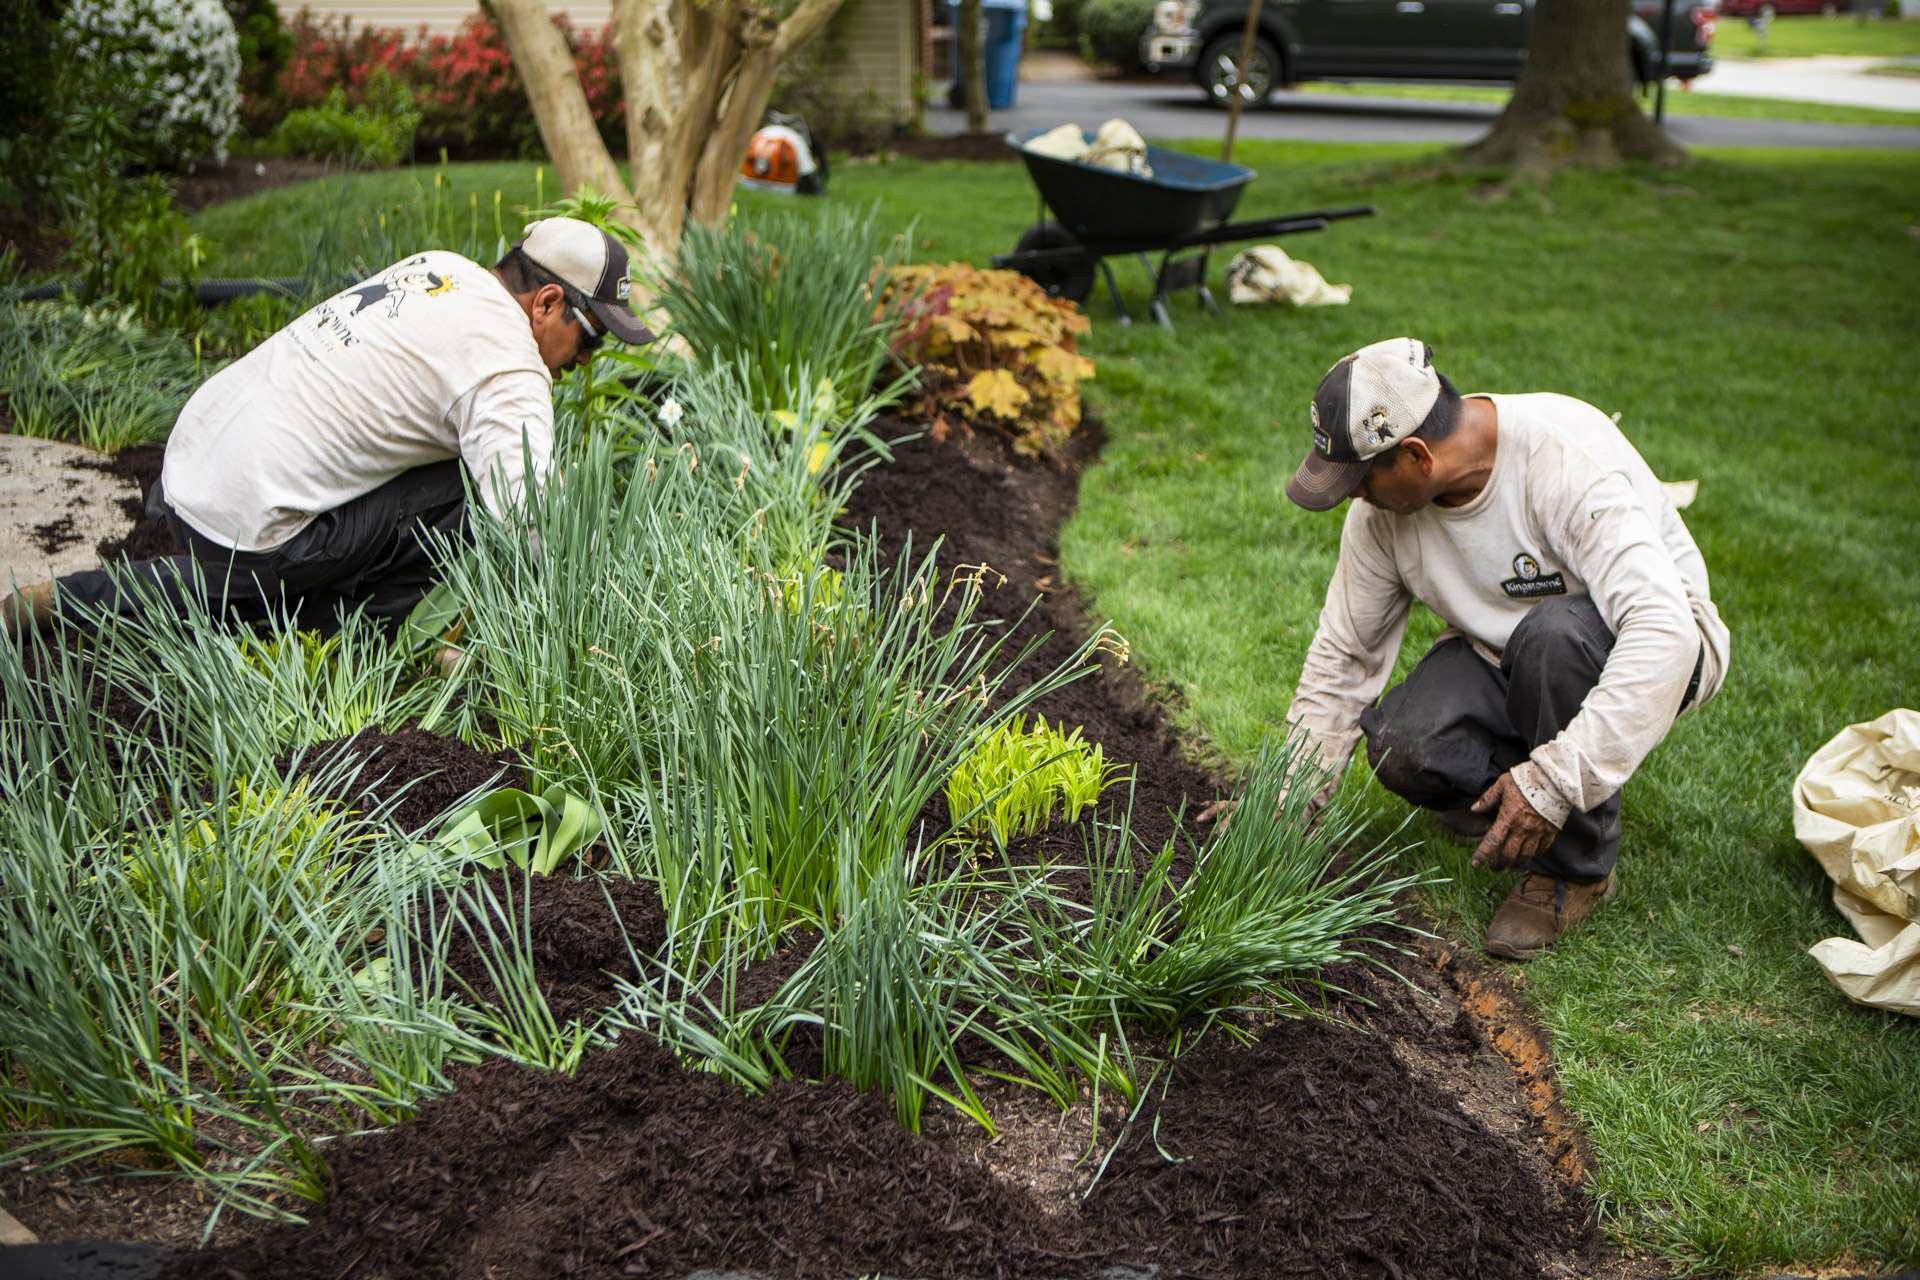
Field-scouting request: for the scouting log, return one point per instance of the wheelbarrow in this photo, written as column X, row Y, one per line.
column 1180, row 213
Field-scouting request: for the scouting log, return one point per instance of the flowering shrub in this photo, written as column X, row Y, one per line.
column 470, row 99
column 173, row 64
column 993, row 350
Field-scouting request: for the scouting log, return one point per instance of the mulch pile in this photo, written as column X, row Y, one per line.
column 1313, row 1151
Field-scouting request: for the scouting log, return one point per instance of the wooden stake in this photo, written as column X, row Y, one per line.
column 1240, row 79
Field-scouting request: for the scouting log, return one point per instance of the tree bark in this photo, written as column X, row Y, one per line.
column 695, row 76
column 970, row 53
column 1574, row 102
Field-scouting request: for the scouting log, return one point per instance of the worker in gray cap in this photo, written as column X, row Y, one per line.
column 1579, row 624
column 307, row 476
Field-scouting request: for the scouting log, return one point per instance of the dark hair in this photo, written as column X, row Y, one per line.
column 522, row 274
column 1440, row 422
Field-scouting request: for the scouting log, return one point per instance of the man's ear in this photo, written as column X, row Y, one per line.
column 549, row 298
column 1420, row 453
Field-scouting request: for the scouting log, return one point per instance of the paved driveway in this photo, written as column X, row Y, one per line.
column 1176, row 110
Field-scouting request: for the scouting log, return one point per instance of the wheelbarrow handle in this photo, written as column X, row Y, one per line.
column 1285, row 224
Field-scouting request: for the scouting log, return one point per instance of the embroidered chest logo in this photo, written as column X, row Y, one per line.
column 1528, row 583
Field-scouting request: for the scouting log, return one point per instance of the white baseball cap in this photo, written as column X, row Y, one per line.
column 593, row 264
column 1366, row 404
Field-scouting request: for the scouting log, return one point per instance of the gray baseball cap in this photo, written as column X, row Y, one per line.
column 592, row 263
column 1366, row 404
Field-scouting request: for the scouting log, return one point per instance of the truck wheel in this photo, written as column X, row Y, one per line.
column 1217, row 70
column 1070, row 280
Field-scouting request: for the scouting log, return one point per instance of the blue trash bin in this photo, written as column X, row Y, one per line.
column 1006, row 27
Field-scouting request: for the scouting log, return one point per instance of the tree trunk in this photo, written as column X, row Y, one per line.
column 695, row 76
column 971, row 52
column 1574, row 102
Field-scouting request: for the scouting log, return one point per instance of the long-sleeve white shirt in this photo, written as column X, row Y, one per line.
column 429, row 360
column 1570, row 510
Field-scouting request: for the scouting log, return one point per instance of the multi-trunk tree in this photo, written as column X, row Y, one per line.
column 695, row 76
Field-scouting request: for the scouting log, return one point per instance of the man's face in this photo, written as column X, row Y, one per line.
column 557, row 330
column 1399, row 486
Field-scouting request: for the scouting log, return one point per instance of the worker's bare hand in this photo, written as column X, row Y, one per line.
column 1219, row 812
column 1518, row 833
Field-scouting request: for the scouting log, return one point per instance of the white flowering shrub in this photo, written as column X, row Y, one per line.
column 174, row 63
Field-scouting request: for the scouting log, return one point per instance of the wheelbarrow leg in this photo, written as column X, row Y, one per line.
column 1206, row 294
column 1113, row 290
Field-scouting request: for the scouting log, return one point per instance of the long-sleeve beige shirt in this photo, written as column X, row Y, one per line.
column 1570, row 510
column 429, row 360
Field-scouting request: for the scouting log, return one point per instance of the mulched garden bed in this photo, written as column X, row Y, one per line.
column 1400, row 1141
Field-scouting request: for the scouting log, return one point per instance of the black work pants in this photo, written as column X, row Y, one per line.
column 370, row 552
column 1456, row 723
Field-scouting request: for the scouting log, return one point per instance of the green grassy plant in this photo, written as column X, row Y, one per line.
column 94, row 376
column 781, row 293
column 1019, row 778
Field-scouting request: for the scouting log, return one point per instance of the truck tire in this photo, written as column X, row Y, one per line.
column 1216, row 69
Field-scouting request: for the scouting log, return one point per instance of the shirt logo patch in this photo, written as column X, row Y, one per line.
column 1528, row 583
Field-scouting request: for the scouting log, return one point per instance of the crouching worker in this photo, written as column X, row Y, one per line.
column 1579, row 625
column 305, row 476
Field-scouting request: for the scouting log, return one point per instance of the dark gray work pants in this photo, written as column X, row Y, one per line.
column 370, row 552
column 1456, row 723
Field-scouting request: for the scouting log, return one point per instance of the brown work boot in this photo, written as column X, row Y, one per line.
column 28, row 609
column 1540, row 911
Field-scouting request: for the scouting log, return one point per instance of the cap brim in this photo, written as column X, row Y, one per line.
column 1322, row 484
column 619, row 321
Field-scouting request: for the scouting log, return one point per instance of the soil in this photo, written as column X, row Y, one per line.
column 1415, row 1135
column 150, row 538
column 985, row 147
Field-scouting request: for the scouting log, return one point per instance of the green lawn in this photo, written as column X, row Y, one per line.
column 1811, row 36
column 1753, row 320
column 1680, row 102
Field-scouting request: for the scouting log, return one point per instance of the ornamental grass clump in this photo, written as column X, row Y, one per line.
column 92, row 375
column 792, row 301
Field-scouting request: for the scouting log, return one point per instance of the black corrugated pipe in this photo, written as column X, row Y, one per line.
column 208, row 293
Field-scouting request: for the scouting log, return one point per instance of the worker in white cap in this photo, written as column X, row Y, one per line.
column 1579, row 623
column 305, row 478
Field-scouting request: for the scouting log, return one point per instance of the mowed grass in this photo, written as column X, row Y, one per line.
column 1680, row 102
column 1810, row 35
column 1752, row 319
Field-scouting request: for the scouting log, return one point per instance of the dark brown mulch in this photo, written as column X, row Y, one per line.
column 958, row 146
column 212, row 183
column 54, row 534
column 149, row 539
column 428, row 773
column 1312, row 1152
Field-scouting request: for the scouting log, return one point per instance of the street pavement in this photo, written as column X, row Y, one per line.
column 1176, row 110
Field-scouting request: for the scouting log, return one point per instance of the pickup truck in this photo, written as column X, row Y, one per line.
column 1392, row 40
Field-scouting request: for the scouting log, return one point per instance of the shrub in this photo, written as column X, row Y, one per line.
column 265, row 46
column 1110, row 30
column 469, row 97
column 172, row 65
column 994, row 350
column 377, row 134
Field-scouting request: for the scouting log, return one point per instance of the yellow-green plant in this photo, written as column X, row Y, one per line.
column 994, row 350
column 1018, row 777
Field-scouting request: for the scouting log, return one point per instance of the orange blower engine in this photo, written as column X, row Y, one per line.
column 781, row 158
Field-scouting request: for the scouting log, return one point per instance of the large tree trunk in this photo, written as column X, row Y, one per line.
column 970, row 51
column 696, row 76
column 1574, row 103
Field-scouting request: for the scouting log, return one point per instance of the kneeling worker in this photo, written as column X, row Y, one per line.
column 1579, row 624
column 305, row 474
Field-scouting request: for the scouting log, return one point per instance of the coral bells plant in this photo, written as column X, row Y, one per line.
column 994, row 350
column 175, row 64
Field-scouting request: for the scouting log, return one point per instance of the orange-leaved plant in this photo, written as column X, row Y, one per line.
column 993, row 350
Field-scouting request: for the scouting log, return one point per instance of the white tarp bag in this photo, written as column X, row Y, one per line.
column 1118, row 146
column 1856, row 807
column 1265, row 273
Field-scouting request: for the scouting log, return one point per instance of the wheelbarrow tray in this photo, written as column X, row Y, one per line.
column 1109, row 211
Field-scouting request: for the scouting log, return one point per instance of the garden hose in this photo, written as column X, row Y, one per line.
column 208, row 293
